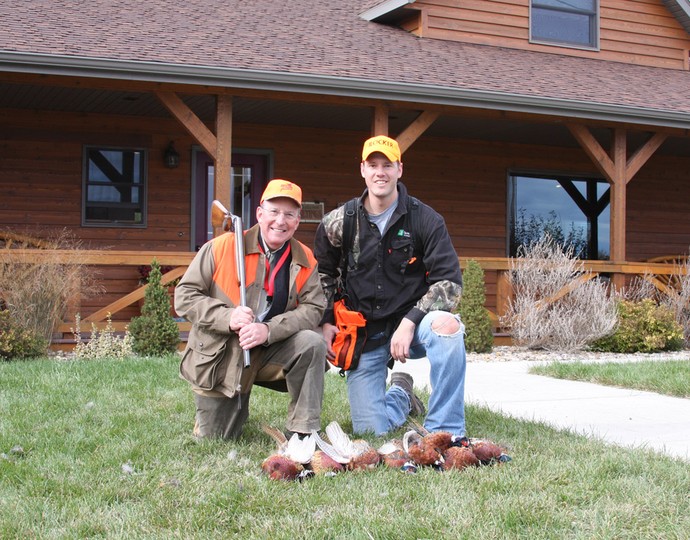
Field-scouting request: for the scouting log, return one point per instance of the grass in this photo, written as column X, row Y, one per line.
column 670, row 377
column 103, row 449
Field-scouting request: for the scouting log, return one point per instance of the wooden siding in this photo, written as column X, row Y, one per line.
column 642, row 32
column 465, row 180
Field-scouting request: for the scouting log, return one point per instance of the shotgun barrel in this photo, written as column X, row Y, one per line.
column 224, row 220
column 239, row 258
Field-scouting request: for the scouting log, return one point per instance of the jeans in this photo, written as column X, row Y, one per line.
column 373, row 408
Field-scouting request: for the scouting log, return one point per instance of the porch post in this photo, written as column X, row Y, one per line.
column 223, row 158
column 379, row 122
column 618, row 170
column 618, row 197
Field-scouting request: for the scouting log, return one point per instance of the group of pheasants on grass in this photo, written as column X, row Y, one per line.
column 299, row 458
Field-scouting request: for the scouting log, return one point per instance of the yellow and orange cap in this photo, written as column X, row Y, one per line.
column 387, row 146
column 282, row 188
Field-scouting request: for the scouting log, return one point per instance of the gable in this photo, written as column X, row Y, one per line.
column 642, row 32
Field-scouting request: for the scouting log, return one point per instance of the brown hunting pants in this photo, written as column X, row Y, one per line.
column 296, row 365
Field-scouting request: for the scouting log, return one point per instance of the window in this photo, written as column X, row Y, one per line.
column 114, row 187
column 574, row 211
column 565, row 22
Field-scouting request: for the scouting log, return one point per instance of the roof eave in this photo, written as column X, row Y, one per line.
column 73, row 66
column 384, row 10
column 681, row 11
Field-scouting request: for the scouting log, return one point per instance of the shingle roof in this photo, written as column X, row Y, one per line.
column 323, row 47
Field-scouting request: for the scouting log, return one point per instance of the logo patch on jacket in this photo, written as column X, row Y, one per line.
column 404, row 234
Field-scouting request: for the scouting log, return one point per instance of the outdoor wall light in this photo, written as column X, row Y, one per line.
column 170, row 157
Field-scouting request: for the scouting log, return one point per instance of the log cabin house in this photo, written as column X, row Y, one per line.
column 121, row 121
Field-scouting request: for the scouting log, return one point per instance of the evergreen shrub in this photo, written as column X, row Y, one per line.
column 155, row 332
column 479, row 336
column 643, row 326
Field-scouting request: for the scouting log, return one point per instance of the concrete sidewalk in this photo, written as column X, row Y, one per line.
column 629, row 418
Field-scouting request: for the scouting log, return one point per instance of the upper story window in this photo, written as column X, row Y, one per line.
column 565, row 22
column 573, row 211
column 114, row 187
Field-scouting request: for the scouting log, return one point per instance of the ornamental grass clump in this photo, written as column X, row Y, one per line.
column 155, row 332
column 478, row 334
column 643, row 326
column 38, row 294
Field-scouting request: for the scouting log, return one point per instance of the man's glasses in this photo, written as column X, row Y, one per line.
column 274, row 213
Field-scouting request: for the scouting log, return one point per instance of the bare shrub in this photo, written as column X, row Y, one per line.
column 557, row 305
column 639, row 289
column 677, row 299
column 38, row 294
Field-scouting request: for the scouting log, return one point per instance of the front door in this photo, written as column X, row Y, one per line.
column 248, row 177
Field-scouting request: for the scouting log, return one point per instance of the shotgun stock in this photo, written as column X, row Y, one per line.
column 220, row 217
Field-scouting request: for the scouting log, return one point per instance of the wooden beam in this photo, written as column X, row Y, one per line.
column 190, row 121
column 223, row 157
column 618, row 197
column 379, row 121
column 132, row 297
column 415, row 129
column 97, row 257
column 643, row 153
column 594, row 150
column 618, row 170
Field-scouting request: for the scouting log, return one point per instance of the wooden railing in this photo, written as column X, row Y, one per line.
column 657, row 273
column 179, row 261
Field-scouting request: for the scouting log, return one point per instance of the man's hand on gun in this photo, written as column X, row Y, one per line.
column 251, row 334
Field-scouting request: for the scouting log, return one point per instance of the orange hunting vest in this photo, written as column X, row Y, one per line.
column 226, row 277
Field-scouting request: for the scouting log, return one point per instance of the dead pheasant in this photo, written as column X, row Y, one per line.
column 458, row 457
column 322, row 463
column 393, row 454
column 426, row 448
column 355, row 454
column 488, row 452
column 287, row 463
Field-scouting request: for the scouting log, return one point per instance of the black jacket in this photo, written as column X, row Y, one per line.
column 410, row 270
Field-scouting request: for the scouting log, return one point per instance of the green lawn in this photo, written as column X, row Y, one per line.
column 103, row 449
column 663, row 377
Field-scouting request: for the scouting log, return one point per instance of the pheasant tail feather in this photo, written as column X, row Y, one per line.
column 277, row 435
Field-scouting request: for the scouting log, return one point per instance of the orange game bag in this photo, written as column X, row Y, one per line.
column 350, row 339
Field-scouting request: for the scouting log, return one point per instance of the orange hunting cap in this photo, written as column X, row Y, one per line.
column 282, row 188
column 387, row 146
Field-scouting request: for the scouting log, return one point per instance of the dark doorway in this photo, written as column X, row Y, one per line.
column 249, row 175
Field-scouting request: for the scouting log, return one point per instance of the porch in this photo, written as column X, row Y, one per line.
column 122, row 295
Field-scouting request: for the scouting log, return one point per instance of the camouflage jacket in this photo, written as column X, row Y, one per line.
column 402, row 273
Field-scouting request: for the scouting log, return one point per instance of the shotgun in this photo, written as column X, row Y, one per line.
column 224, row 220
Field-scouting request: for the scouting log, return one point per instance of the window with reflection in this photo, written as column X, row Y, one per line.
column 565, row 22
column 572, row 211
column 114, row 187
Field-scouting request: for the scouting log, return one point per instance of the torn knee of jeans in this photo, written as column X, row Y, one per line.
column 447, row 325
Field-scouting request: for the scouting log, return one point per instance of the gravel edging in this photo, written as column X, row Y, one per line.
column 507, row 353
